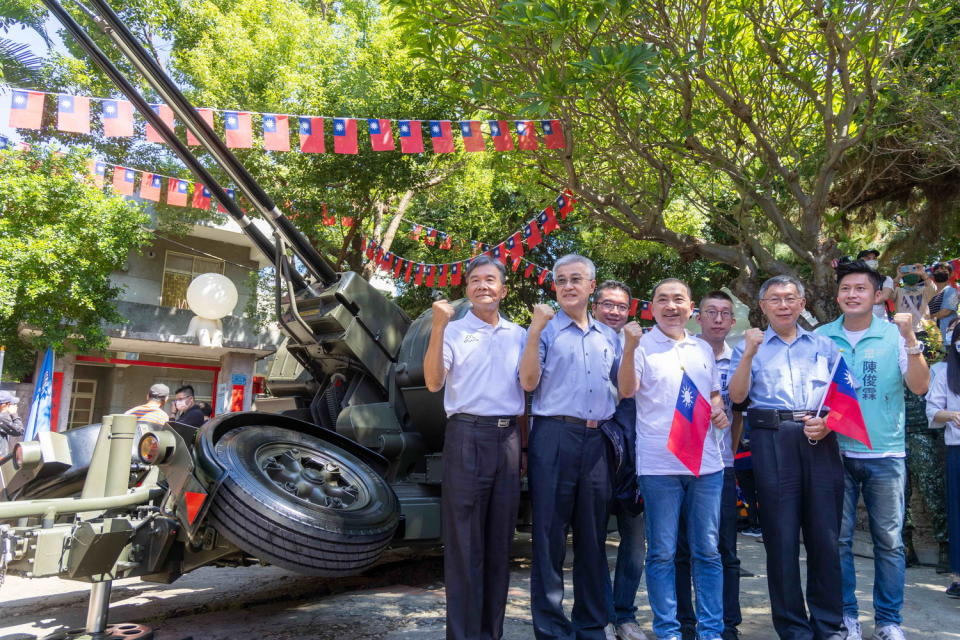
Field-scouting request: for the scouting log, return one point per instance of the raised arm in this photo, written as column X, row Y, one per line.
column 434, row 372
column 740, row 380
column 627, row 382
column 530, row 360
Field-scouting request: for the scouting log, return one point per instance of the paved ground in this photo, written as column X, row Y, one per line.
column 398, row 601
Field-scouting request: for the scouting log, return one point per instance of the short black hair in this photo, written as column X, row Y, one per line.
column 868, row 252
column 481, row 260
column 206, row 409
column 612, row 285
column 716, row 294
column 187, row 389
column 859, row 266
column 668, row 281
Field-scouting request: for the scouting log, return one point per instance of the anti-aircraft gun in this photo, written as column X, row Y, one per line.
column 352, row 466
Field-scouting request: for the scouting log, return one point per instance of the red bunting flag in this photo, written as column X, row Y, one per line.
column 166, row 116
column 515, row 246
column 97, row 170
column 691, row 422
column 123, row 180
column 565, row 203
column 117, row 118
column 634, row 305
column 471, row 135
column 443, row 275
column 73, row 113
column 529, row 270
column 446, row 241
column 548, row 220
column 311, row 135
column 646, row 312
column 369, row 249
column 345, row 135
column 26, row 109
column 276, row 132
column 500, row 252
column 431, row 238
column 431, row 275
column 150, row 184
column 411, row 137
column 415, row 233
column 381, row 134
column 500, row 134
column 526, row 136
column 327, row 219
column 346, row 221
column 553, row 134
column 441, row 136
column 201, row 197
column 239, row 129
column 544, row 273
column 207, row 116
column 418, row 274
column 409, row 270
column 531, row 233
column 177, row 191
column 456, row 271
column 398, row 267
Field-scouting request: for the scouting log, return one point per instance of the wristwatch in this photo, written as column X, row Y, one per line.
column 917, row 349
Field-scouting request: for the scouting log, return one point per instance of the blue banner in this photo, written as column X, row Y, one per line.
column 42, row 404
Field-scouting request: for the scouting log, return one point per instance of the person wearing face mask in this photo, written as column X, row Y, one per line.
column 913, row 295
column 188, row 411
column 871, row 258
column 943, row 305
column 11, row 426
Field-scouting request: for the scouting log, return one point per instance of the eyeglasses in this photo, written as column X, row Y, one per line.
column 575, row 281
column 610, row 306
column 790, row 301
column 713, row 313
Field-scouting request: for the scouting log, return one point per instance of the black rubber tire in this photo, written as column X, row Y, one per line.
column 253, row 512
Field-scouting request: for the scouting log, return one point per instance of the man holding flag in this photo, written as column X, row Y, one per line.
column 674, row 378
column 881, row 357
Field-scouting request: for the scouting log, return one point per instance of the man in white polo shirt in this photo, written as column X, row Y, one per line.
column 478, row 357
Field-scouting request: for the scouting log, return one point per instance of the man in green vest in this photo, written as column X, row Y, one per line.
column 883, row 356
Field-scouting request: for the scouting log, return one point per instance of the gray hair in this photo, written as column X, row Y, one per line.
column 781, row 281
column 481, row 260
column 574, row 258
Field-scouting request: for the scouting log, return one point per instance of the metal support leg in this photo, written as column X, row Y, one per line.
column 98, row 608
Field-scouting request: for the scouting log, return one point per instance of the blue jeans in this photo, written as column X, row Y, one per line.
column 882, row 482
column 622, row 606
column 665, row 497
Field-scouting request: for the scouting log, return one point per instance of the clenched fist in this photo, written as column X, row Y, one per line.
column 542, row 314
column 753, row 338
column 904, row 322
column 632, row 332
column 442, row 313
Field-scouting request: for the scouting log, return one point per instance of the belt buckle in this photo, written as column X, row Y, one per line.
column 799, row 415
column 503, row 423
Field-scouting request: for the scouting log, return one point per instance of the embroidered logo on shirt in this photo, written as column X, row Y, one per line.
column 467, row 339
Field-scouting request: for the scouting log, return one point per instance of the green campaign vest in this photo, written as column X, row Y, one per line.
column 875, row 363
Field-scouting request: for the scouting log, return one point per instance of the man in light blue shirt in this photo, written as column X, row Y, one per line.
column 568, row 363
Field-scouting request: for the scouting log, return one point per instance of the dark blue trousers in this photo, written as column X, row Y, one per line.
column 953, row 505
column 800, row 489
column 570, row 488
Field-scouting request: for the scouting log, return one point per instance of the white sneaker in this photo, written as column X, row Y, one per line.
column 888, row 632
column 853, row 628
column 609, row 633
column 630, row 631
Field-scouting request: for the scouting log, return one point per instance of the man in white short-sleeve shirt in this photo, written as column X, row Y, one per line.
column 476, row 361
column 659, row 369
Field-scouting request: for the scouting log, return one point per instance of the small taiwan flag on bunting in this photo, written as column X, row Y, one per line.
column 446, row 241
column 441, row 275
column 515, row 246
column 553, row 134
column 646, row 313
column 346, row 221
column 26, row 109
column 73, row 114
column 691, row 422
column 123, row 180
column 529, row 270
column 431, row 275
column 411, row 137
column 98, row 171
column 344, row 135
column 526, row 136
column 531, row 234
column 565, row 203
column 150, row 184
column 311, row 135
column 456, row 271
column 276, row 132
column 415, row 232
column 845, row 416
column 386, row 262
column 472, row 137
column 378, row 256
column 408, row 271
column 207, row 116
column 500, row 252
column 368, row 248
column 177, row 191
column 166, row 116
column 634, row 305
column 431, row 236
column 441, row 136
column 500, row 134
column 418, row 274
column 398, row 266
column 201, row 197
column 239, row 129
column 543, row 275
column 548, row 220
column 325, row 217
column 381, row 135
column 117, row 116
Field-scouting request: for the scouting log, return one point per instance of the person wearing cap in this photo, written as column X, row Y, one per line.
column 11, row 426
column 943, row 305
column 475, row 360
column 871, row 258
column 152, row 409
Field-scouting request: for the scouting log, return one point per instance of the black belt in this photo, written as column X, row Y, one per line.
column 771, row 418
column 583, row 422
column 490, row 421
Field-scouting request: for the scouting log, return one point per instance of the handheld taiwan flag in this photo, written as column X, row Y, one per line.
column 276, row 132
column 531, row 234
column 311, row 135
column 500, row 134
column 553, row 134
column 73, row 114
column 646, row 313
column 177, row 192
column 207, row 116
column 26, row 109
column 515, row 247
column 117, row 116
column 526, row 136
column 472, row 137
column 411, row 136
column 166, row 116
column 565, row 204
column 150, row 184
column 441, row 136
column 239, row 129
column 691, row 422
column 456, row 272
column 344, row 135
column 123, row 180
column 548, row 220
column 845, row 416
column 381, row 134
column 201, row 197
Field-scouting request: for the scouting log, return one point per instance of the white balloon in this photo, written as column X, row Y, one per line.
column 212, row 296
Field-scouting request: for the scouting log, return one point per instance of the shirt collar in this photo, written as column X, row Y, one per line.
column 770, row 334
column 474, row 322
column 565, row 321
column 660, row 336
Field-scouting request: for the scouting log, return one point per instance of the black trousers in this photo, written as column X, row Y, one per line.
column 727, row 546
column 570, row 488
column 481, row 495
column 800, row 488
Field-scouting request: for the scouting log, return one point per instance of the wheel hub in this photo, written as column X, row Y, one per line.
column 308, row 477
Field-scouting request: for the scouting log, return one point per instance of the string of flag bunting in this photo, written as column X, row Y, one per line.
column 73, row 114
